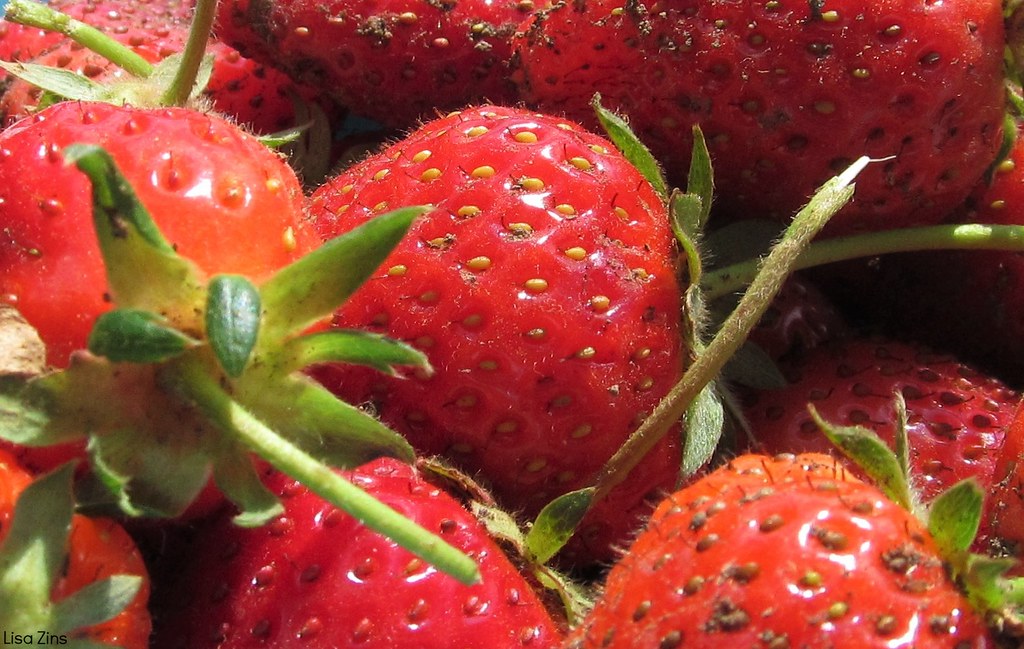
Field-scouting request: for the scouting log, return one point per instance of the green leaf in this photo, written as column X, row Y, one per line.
column 29, row 414
column 34, row 549
column 58, row 81
column 232, row 321
column 95, row 603
column 751, row 366
column 354, row 347
column 955, row 515
column 165, row 71
column 238, row 479
column 869, row 452
column 631, row 147
column 132, row 245
column 150, row 471
column 136, row 336
column 700, row 180
column 556, row 523
column 327, row 428
column 683, row 208
column 314, row 286
column 705, row 422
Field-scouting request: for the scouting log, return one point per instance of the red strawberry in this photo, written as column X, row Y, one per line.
column 795, row 553
column 542, row 287
column 255, row 94
column 788, row 93
column 202, row 177
column 394, row 61
column 957, row 417
column 96, row 548
column 320, row 578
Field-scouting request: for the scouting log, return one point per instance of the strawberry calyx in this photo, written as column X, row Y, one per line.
column 32, row 556
column 190, row 376
column 953, row 518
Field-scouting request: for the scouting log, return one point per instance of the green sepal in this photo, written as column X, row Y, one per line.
column 34, row 549
column 700, row 181
column 233, row 315
column 131, row 243
column 165, row 71
column 872, row 455
column 354, row 347
column 56, row 81
column 315, row 285
column 95, row 603
column 30, row 416
column 136, row 336
column 283, row 138
column 631, row 147
column 705, row 423
column 556, row 523
column 238, row 479
column 751, row 366
column 148, row 472
column 954, row 517
column 683, row 208
column 329, row 429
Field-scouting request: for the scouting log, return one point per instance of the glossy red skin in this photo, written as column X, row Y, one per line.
column 97, row 548
column 957, row 416
column 254, row 94
column 786, row 101
column 535, row 415
column 394, row 61
column 1006, row 499
column 219, row 195
column 746, row 587
column 316, row 577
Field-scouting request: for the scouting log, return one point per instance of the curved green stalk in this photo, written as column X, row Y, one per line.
column 968, row 236
column 35, row 14
column 192, row 58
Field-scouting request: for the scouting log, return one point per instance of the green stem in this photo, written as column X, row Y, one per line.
column 192, row 58
column 193, row 380
column 34, row 14
column 773, row 272
column 968, row 236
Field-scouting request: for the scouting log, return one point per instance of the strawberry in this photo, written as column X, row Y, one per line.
column 87, row 552
column 857, row 570
column 542, row 287
column 957, row 417
column 394, row 61
column 202, row 176
column 255, row 94
column 319, row 577
column 787, row 93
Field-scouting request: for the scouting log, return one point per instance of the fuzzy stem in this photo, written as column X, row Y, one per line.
column 34, row 14
column 192, row 379
column 192, row 58
column 773, row 272
column 968, row 236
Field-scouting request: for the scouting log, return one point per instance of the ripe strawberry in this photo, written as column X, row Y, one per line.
column 255, row 94
column 202, row 177
column 97, row 548
column 788, row 93
column 795, row 553
column 318, row 577
column 957, row 418
column 394, row 61
column 542, row 287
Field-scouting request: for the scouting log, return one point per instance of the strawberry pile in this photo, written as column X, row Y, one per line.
column 511, row 323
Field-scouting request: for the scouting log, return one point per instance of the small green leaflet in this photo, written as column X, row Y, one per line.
column 631, row 147
column 136, row 336
column 353, row 347
column 236, row 477
column 233, row 315
column 556, row 523
column 955, row 515
column 58, row 81
column 315, row 285
column 705, row 421
column 869, row 452
column 700, row 181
